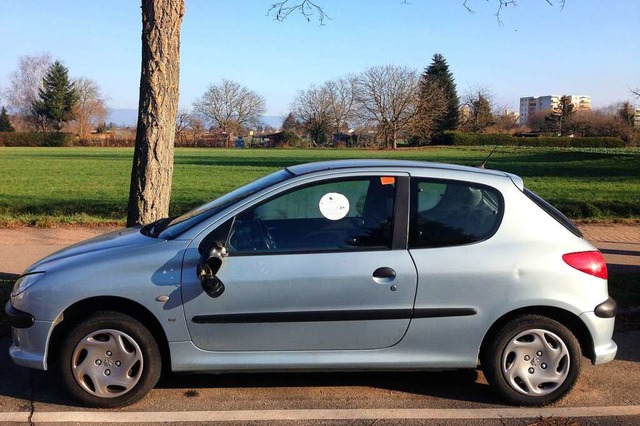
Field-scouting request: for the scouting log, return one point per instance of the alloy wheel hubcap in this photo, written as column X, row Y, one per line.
column 107, row 363
column 535, row 362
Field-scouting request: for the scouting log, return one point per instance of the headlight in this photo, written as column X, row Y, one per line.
column 24, row 282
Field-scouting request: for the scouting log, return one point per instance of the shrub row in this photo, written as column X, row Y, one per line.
column 107, row 143
column 479, row 139
column 448, row 138
column 36, row 139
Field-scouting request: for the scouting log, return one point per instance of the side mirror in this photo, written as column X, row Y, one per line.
column 208, row 266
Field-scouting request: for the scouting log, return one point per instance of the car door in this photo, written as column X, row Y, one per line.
column 322, row 266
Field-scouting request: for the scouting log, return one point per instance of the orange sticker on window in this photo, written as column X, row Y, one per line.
column 387, row 180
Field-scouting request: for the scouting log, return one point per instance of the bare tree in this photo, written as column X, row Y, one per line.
column 24, row 85
column 152, row 169
column 478, row 109
column 313, row 107
column 197, row 128
column 183, row 121
column 387, row 95
column 615, row 120
column 341, row 96
column 90, row 110
column 537, row 122
column 230, row 106
column 506, row 121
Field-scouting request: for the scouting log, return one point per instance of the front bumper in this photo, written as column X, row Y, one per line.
column 18, row 319
column 30, row 339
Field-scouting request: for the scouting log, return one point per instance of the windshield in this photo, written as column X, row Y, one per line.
column 182, row 223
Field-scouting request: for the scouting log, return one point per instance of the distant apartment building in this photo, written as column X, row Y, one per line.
column 533, row 104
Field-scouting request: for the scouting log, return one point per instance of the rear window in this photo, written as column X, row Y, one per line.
column 451, row 213
column 553, row 212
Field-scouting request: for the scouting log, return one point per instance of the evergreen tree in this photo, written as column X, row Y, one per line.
column 438, row 71
column 56, row 98
column 290, row 123
column 481, row 115
column 560, row 118
column 431, row 108
column 5, row 123
column 627, row 114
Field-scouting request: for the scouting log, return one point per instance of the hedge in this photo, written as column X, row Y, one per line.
column 479, row 139
column 107, row 143
column 472, row 139
column 36, row 139
column 586, row 142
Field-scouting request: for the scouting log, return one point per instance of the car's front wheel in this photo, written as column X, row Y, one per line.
column 532, row 360
column 109, row 360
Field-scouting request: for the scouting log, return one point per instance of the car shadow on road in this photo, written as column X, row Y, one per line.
column 628, row 347
column 621, row 252
column 459, row 385
column 451, row 387
column 43, row 387
column 26, row 385
column 623, row 269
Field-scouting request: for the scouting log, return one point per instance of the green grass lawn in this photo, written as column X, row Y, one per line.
column 51, row 186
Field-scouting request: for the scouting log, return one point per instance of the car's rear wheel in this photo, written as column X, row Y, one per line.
column 109, row 360
column 532, row 360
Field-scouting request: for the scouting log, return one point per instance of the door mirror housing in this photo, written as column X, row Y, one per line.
column 208, row 266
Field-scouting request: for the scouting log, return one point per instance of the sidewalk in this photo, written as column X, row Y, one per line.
column 620, row 243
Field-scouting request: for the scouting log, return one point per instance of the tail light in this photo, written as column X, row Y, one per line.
column 589, row 262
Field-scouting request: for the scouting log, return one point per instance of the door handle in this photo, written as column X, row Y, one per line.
column 384, row 275
column 384, row 272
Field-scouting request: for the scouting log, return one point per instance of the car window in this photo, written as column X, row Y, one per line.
column 346, row 214
column 449, row 213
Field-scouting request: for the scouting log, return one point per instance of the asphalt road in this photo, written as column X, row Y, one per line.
column 265, row 396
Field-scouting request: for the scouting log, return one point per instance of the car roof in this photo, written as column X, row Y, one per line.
column 320, row 166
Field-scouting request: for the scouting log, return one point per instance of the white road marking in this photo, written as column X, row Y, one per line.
column 356, row 414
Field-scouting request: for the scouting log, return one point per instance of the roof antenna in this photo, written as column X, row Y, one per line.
column 484, row 163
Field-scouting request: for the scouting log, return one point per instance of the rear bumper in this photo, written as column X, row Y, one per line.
column 601, row 329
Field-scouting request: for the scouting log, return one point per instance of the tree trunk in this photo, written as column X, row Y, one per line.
column 394, row 142
column 152, row 169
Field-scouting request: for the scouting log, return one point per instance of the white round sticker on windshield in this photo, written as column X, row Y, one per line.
column 334, row 206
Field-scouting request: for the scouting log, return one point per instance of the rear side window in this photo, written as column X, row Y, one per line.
column 553, row 212
column 451, row 213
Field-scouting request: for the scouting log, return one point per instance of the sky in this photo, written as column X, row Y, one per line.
column 589, row 47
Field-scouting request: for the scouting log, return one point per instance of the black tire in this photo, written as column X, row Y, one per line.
column 109, row 360
column 547, row 365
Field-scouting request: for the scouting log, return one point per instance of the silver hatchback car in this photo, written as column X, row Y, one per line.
column 332, row 266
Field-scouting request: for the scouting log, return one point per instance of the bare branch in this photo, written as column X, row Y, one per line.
column 307, row 8
column 502, row 4
column 466, row 6
column 505, row 3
